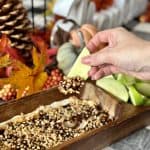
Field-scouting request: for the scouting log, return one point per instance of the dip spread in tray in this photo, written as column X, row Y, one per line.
column 51, row 125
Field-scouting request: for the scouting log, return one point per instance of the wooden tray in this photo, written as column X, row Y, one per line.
column 130, row 119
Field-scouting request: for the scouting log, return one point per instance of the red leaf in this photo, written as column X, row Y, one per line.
column 5, row 48
column 43, row 48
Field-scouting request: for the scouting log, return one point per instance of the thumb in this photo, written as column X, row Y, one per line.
column 99, row 58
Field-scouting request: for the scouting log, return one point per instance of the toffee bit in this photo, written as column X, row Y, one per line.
column 71, row 85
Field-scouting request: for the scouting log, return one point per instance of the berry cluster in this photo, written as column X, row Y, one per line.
column 54, row 78
column 8, row 92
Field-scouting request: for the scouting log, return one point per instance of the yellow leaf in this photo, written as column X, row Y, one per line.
column 21, row 68
column 28, row 82
column 39, row 60
column 5, row 61
column 36, row 60
column 40, row 80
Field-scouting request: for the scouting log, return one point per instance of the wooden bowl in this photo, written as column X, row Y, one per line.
column 129, row 119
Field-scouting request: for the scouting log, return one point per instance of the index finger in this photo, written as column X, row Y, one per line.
column 100, row 40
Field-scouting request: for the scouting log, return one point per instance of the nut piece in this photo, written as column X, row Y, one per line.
column 70, row 123
column 71, row 85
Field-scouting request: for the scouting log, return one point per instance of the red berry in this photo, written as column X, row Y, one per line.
column 57, row 70
column 56, row 74
column 59, row 78
column 55, row 83
column 49, row 78
column 51, row 84
column 53, row 73
column 9, row 93
column 48, row 82
column 54, row 78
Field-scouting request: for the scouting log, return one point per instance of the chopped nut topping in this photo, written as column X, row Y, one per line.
column 49, row 126
column 71, row 85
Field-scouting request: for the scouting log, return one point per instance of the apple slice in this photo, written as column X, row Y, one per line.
column 109, row 77
column 147, row 102
column 126, row 79
column 137, row 99
column 143, row 88
column 80, row 69
column 114, row 87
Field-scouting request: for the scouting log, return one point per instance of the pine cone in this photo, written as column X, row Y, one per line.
column 15, row 24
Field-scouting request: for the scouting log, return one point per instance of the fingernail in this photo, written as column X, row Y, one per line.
column 93, row 78
column 86, row 60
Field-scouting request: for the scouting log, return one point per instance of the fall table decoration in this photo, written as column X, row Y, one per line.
column 21, row 80
column 15, row 24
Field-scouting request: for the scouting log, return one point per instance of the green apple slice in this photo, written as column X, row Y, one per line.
column 80, row 69
column 143, row 88
column 137, row 99
column 147, row 102
column 114, row 87
column 109, row 77
column 126, row 79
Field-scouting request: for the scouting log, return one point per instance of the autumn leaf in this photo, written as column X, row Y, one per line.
column 23, row 76
column 39, row 80
column 42, row 47
column 5, row 61
column 47, row 53
column 36, row 61
column 5, row 48
column 20, row 78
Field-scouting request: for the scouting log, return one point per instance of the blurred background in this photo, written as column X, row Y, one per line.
column 101, row 13
column 133, row 14
column 60, row 29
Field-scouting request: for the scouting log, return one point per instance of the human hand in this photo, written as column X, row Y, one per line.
column 125, row 53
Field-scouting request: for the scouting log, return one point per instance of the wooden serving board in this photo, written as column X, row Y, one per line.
column 130, row 119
